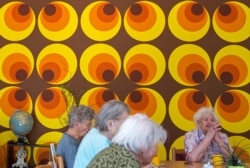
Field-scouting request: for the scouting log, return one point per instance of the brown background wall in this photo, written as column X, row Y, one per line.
column 168, row 92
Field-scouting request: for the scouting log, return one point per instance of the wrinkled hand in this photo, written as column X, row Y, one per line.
column 214, row 130
column 217, row 138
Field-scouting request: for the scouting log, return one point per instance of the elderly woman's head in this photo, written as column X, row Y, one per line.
column 140, row 135
column 110, row 116
column 204, row 117
column 80, row 118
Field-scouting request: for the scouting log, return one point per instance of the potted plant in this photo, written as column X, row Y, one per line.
column 237, row 156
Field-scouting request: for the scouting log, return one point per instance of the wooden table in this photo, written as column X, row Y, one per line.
column 183, row 164
column 180, row 164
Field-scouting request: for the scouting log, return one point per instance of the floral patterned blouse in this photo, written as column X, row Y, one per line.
column 195, row 137
column 114, row 156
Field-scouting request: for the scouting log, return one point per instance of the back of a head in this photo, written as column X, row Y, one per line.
column 139, row 133
column 110, row 110
column 80, row 113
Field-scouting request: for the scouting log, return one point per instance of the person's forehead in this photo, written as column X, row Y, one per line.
column 205, row 116
column 86, row 120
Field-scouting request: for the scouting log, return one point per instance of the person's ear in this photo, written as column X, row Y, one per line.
column 110, row 124
column 76, row 124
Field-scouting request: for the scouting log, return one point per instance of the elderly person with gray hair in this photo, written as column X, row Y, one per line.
column 134, row 146
column 79, row 123
column 207, row 139
column 107, row 122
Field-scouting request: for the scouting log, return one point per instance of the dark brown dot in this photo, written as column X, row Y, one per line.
column 48, row 75
column 20, row 95
column 227, row 98
column 136, row 9
column 136, row 76
column 23, row 9
column 50, row 9
column 225, row 10
column 44, row 161
column 109, row 9
column 198, row 76
column 226, row 77
column 135, row 96
column 108, row 95
column 47, row 95
column 108, row 75
column 197, row 9
column 198, row 97
column 21, row 75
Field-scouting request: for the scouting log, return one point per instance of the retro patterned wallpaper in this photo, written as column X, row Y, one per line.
column 166, row 58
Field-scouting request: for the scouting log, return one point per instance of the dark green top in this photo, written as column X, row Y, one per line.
column 114, row 156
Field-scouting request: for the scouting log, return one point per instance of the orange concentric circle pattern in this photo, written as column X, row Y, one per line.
column 13, row 98
column 51, row 106
column 97, row 71
column 231, row 65
column 56, row 63
column 101, row 20
column 189, row 20
column 163, row 58
column 144, row 21
column 189, row 65
column 16, row 63
column 144, row 64
column 231, row 21
column 57, row 21
column 17, row 21
column 97, row 96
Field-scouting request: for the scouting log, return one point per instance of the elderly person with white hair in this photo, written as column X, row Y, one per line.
column 207, row 139
column 134, row 146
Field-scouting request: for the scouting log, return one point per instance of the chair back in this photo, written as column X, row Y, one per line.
column 58, row 160
column 178, row 154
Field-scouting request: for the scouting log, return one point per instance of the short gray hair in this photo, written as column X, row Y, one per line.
column 203, row 112
column 110, row 110
column 80, row 113
column 138, row 134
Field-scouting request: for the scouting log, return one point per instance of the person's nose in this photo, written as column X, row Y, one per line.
column 210, row 123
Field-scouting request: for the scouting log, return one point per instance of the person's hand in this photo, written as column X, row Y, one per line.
column 217, row 138
column 213, row 130
column 216, row 126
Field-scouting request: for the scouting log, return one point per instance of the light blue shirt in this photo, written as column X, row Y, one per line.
column 67, row 148
column 92, row 143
